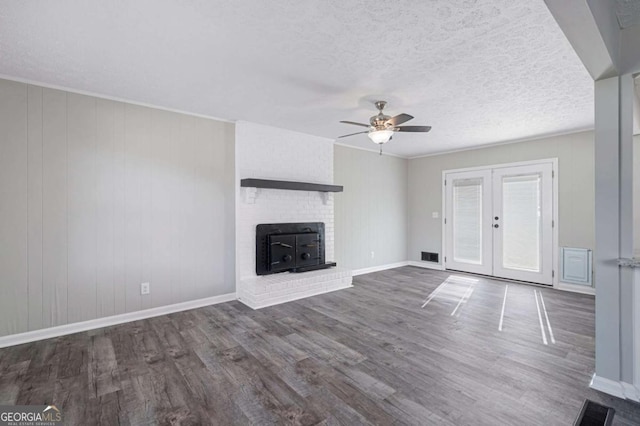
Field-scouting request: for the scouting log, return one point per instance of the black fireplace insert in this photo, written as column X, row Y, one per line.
column 293, row 247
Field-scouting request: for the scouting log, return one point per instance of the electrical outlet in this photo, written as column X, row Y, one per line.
column 373, row 254
column 145, row 288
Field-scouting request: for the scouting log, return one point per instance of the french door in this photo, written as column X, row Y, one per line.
column 499, row 222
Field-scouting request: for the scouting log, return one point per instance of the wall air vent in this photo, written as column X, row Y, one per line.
column 430, row 257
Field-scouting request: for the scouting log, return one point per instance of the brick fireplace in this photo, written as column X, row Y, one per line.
column 265, row 152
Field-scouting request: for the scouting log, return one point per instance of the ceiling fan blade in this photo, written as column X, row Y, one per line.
column 412, row 129
column 351, row 134
column 399, row 119
column 356, row 124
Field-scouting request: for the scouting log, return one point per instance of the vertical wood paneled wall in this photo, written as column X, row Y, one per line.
column 98, row 196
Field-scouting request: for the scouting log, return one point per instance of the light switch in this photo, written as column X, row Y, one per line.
column 435, row 215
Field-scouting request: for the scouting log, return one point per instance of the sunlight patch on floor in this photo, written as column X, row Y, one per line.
column 455, row 289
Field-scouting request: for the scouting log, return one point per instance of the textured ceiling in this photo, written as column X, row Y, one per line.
column 628, row 13
column 478, row 71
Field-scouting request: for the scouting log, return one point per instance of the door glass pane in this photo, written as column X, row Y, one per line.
column 521, row 222
column 467, row 220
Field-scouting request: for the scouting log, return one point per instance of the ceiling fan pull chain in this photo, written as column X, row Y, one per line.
column 380, row 149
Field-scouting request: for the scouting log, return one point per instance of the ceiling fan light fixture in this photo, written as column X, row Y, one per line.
column 380, row 136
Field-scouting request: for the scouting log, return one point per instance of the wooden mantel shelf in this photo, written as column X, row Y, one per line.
column 289, row 185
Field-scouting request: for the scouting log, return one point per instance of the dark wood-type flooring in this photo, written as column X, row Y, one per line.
column 366, row 355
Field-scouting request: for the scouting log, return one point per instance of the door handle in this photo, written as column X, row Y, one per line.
column 496, row 226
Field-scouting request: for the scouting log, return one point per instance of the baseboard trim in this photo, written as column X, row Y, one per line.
column 575, row 288
column 426, row 265
column 608, row 386
column 378, row 268
column 61, row 330
column 630, row 391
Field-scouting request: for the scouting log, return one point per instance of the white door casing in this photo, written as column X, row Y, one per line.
column 526, row 194
column 636, row 331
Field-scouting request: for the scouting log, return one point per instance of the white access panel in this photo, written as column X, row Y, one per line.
column 575, row 265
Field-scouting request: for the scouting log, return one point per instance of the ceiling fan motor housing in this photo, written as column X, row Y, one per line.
column 378, row 121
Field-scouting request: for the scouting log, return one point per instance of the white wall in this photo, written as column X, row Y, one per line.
column 97, row 197
column 371, row 214
column 575, row 153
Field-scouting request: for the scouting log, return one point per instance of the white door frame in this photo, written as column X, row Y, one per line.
column 636, row 332
column 554, row 168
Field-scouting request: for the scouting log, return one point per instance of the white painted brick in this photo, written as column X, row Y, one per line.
column 271, row 153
